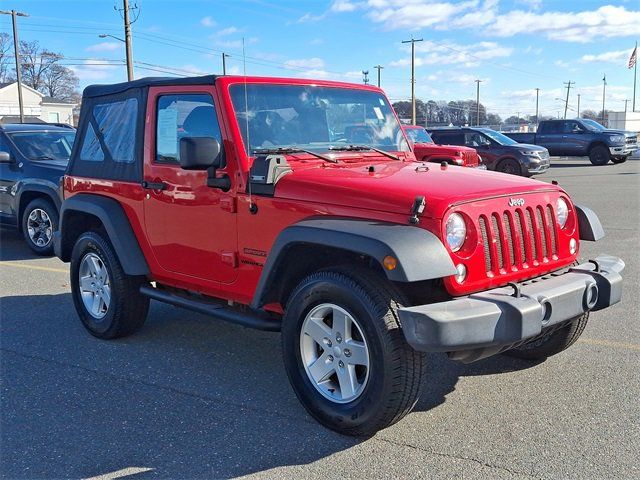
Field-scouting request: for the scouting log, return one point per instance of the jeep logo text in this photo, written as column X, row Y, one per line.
column 516, row 202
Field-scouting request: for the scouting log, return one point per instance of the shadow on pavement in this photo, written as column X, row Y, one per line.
column 13, row 246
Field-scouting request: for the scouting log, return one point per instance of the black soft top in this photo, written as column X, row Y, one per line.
column 115, row 88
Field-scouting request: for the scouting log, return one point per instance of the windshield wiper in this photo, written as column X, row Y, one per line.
column 285, row 150
column 359, row 148
column 44, row 157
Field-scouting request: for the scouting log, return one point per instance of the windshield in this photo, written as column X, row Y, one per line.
column 44, row 145
column 418, row 135
column 593, row 125
column 315, row 118
column 499, row 138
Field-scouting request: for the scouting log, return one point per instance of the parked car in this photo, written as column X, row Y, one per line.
column 426, row 150
column 242, row 198
column 498, row 152
column 580, row 138
column 33, row 158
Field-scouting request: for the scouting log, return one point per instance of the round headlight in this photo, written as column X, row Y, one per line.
column 456, row 231
column 562, row 212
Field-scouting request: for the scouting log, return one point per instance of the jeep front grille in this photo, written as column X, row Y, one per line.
column 518, row 237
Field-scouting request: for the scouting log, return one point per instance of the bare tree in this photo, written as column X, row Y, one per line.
column 60, row 82
column 6, row 57
column 36, row 64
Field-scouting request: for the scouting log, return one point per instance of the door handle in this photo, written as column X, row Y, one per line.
column 154, row 185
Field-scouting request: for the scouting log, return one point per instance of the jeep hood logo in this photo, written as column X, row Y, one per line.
column 516, row 202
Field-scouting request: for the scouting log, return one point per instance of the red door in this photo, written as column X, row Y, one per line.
column 191, row 227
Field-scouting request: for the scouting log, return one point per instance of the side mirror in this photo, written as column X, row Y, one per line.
column 5, row 157
column 199, row 153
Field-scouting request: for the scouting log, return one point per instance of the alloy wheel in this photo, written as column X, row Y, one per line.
column 39, row 227
column 94, row 285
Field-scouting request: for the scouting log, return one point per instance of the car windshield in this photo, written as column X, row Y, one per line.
column 44, row 145
column 593, row 125
column 418, row 135
column 315, row 118
column 499, row 138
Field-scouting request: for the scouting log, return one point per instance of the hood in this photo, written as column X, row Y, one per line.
column 528, row 147
column 626, row 133
column 52, row 164
column 392, row 186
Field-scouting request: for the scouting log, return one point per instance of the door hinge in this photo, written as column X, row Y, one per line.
column 228, row 204
column 230, row 258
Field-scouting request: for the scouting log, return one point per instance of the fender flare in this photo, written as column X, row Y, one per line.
column 48, row 189
column 116, row 224
column 589, row 224
column 420, row 254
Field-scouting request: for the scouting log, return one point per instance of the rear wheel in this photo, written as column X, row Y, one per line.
column 552, row 343
column 345, row 354
column 39, row 221
column 108, row 301
column 509, row 165
column 599, row 155
column 619, row 159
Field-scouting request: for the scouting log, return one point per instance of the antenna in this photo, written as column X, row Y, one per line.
column 252, row 207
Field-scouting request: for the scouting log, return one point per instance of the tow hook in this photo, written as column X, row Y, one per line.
column 418, row 207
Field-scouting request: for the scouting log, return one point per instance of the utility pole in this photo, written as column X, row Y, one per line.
column 365, row 77
column 127, row 34
column 604, row 91
column 16, row 49
column 378, row 67
column 413, row 76
column 625, row 108
column 566, row 103
column 478, row 102
column 537, row 97
column 224, row 62
column 578, row 105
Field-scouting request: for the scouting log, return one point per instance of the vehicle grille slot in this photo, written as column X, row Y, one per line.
column 509, row 235
column 552, row 230
column 532, row 239
column 485, row 243
column 520, row 233
column 498, row 239
column 541, row 229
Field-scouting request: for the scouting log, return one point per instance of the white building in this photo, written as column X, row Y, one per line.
column 621, row 121
column 37, row 107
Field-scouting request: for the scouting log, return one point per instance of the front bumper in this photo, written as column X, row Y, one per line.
column 623, row 150
column 538, row 165
column 489, row 322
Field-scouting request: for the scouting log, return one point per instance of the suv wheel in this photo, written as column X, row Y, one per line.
column 108, row 301
column 509, row 165
column 39, row 221
column 345, row 354
column 552, row 343
column 599, row 155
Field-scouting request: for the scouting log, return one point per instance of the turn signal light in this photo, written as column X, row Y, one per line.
column 389, row 262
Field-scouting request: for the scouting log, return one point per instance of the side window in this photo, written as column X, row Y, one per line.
column 550, row 128
column 475, row 139
column 4, row 147
column 449, row 138
column 571, row 127
column 182, row 116
column 111, row 132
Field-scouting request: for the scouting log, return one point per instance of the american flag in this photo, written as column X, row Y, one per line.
column 634, row 57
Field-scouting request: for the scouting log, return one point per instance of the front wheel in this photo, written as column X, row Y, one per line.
column 509, row 165
column 552, row 343
column 599, row 155
column 39, row 221
column 619, row 159
column 345, row 354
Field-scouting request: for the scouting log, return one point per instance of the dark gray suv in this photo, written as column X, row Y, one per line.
column 499, row 152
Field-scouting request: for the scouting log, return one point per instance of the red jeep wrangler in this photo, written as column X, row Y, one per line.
column 426, row 150
column 296, row 206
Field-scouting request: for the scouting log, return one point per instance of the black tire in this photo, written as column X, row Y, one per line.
column 510, row 166
column 395, row 373
column 619, row 159
column 553, row 343
column 44, row 228
column 127, row 309
column 599, row 155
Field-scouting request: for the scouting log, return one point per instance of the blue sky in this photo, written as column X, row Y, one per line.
column 513, row 46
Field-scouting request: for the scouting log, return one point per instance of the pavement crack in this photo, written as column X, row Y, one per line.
column 456, row 457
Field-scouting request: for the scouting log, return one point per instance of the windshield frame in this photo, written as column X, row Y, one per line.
column 402, row 145
column 63, row 133
column 497, row 137
column 409, row 128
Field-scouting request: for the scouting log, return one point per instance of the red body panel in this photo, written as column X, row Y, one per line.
column 200, row 238
column 427, row 152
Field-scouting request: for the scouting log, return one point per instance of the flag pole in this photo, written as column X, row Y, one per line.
column 635, row 74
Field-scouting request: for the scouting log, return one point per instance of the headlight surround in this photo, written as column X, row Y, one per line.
column 562, row 212
column 617, row 139
column 455, row 231
column 532, row 153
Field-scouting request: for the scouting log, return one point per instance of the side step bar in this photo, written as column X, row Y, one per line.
column 251, row 319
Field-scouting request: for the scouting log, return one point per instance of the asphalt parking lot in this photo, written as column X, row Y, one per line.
column 190, row 397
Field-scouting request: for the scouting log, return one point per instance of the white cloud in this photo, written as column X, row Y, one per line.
column 227, row 31
column 532, row 4
column 449, row 53
column 93, row 69
column 314, row 63
column 105, row 47
column 345, row 6
column 309, row 17
column 619, row 56
column 208, row 22
column 236, row 44
column 562, row 64
column 316, row 41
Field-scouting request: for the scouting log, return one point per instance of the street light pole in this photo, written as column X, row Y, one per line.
column 604, row 90
column 378, row 67
column 413, row 77
column 537, row 96
column 578, row 105
column 224, row 63
column 625, row 109
column 478, row 102
column 16, row 49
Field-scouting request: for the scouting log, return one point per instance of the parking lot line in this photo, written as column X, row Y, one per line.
column 125, row 472
column 609, row 343
column 32, row 267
